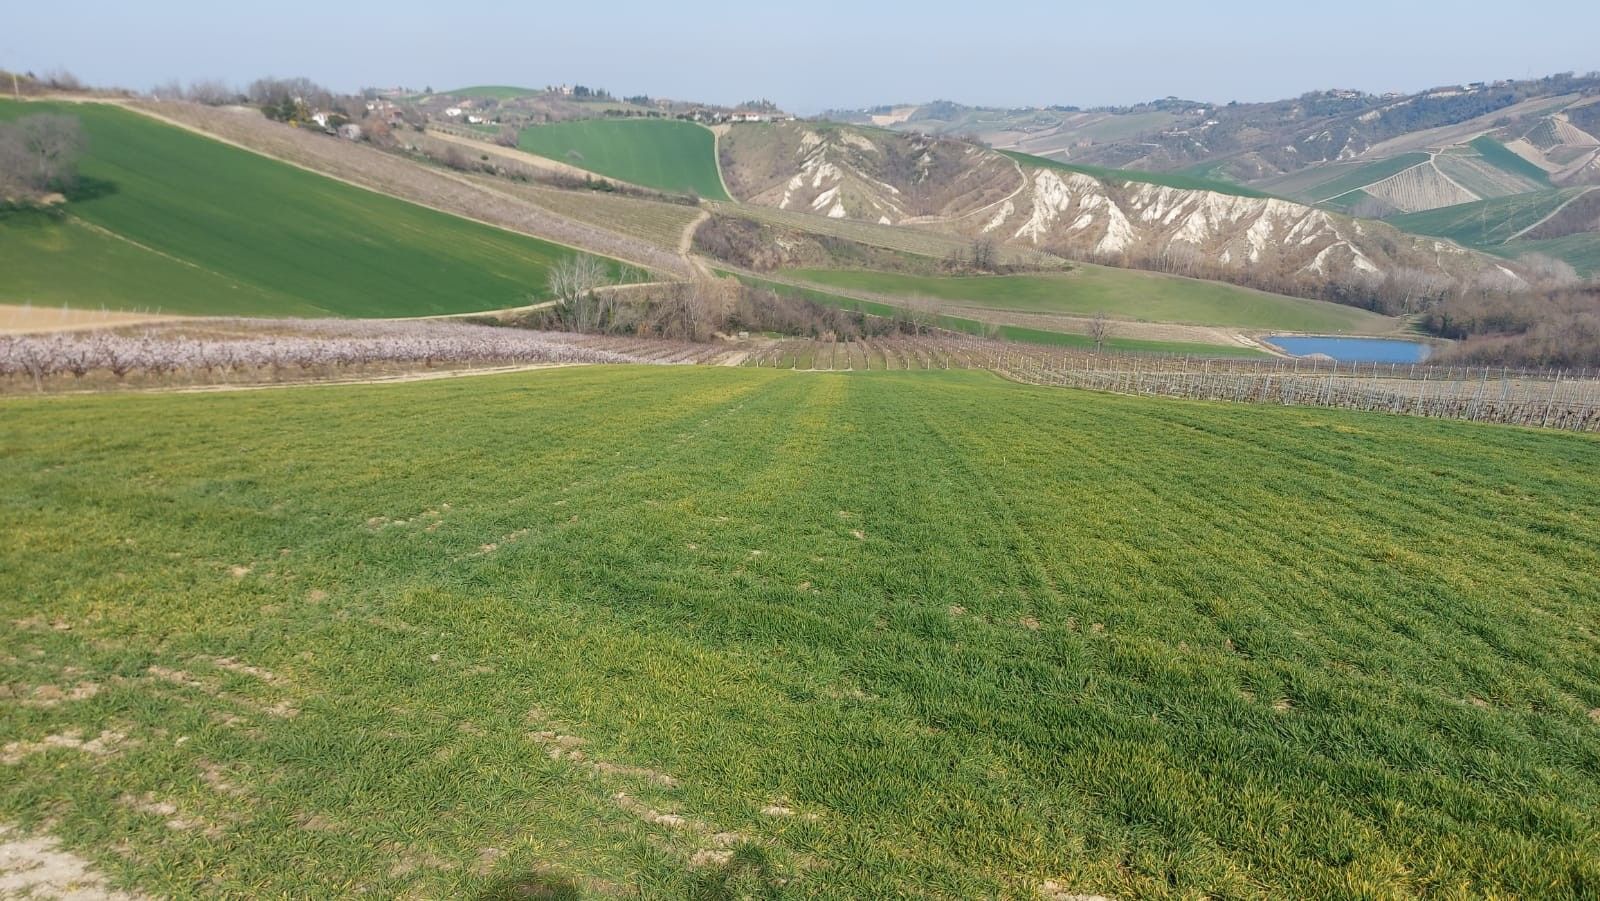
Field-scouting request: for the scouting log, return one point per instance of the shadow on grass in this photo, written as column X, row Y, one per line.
column 748, row 874
column 85, row 188
column 534, row 886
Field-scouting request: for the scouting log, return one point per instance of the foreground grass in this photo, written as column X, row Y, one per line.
column 657, row 153
column 1090, row 289
column 969, row 636
column 190, row 225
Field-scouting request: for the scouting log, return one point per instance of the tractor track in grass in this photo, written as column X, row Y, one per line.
column 1552, row 214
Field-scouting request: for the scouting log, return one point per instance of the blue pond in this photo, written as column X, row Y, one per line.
column 1353, row 350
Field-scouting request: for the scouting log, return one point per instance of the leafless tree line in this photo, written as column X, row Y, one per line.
column 226, row 347
column 209, row 91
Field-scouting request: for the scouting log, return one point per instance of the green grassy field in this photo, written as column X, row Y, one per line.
column 54, row 260
column 956, row 637
column 664, row 154
column 1581, row 250
column 1168, row 179
column 493, row 92
column 1007, row 332
column 1360, row 177
column 211, row 229
column 1130, row 295
column 1503, row 157
column 1485, row 222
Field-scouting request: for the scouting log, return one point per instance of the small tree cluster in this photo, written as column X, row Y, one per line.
column 39, row 154
column 288, row 99
column 210, row 91
column 1553, row 329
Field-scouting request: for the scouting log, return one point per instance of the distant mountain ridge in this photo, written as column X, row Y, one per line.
column 1518, row 147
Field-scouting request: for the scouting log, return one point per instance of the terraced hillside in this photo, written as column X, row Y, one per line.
column 712, row 632
column 165, row 219
column 668, row 155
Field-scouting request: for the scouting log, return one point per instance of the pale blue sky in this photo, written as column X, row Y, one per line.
column 811, row 54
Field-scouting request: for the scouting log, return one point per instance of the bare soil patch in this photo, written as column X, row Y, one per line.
column 37, row 867
column 26, row 319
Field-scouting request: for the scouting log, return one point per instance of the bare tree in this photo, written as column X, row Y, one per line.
column 983, row 254
column 573, row 282
column 211, row 92
column 38, row 153
column 1099, row 330
column 168, row 90
column 15, row 180
column 54, row 143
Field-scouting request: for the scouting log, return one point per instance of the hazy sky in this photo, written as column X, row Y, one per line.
column 818, row 53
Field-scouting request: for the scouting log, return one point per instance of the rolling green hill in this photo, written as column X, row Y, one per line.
column 1166, row 179
column 665, row 154
column 1501, row 156
column 1361, row 176
column 1582, row 251
column 493, row 92
column 701, row 632
column 1122, row 293
column 165, row 219
column 1005, row 332
column 1485, row 223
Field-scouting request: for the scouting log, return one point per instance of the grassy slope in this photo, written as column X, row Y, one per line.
column 664, row 154
column 1168, row 179
column 493, row 91
column 259, row 236
column 1006, row 332
column 1130, row 295
column 1279, row 652
column 1361, row 177
column 1502, row 157
column 54, row 260
column 1581, row 250
column 1485, row 222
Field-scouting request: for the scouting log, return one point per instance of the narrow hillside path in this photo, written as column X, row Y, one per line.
column 1372, row 184
column 716, row 158
column 1552, row 214
column 686, row 240
column 518, row 155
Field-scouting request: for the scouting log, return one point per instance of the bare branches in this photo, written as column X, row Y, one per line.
column 39, row 154
column 573, row 282
column 283, row 344
column 1099, row 330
